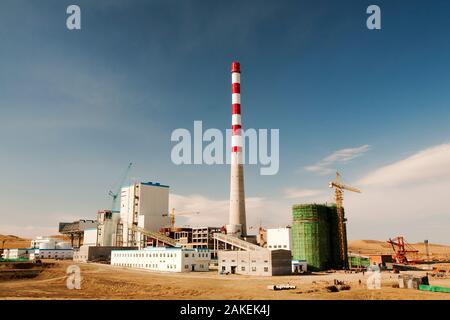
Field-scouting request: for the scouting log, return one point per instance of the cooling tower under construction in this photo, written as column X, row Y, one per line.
column 237, row 224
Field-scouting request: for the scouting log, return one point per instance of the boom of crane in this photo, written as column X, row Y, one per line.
column 115, row 207
column 343, row 187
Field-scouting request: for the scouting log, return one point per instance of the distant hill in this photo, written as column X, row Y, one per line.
column 437, row 251
column 17, row 242
column 12, row 241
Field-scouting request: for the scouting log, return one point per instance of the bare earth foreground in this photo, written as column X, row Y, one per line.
column 107, row 282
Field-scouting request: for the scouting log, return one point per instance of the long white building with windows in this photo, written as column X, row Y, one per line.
column 163, row 259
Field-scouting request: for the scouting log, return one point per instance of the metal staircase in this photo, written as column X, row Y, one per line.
column 238, row 243
column 155, row 235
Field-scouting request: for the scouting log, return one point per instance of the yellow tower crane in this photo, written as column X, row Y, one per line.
column 171, row 215
column 339, row 191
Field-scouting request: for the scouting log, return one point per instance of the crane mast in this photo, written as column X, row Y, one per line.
column 339, row 195
column 171, row 215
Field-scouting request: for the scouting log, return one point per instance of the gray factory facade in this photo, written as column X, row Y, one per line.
column 255, row 263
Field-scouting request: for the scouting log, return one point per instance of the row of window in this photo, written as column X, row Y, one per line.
column 279, row 246
column 144, row 265
column 243, row 261
column 266, row 269
column 145, row 255
column 49, row 256
column 151, row 266
column 157, row 255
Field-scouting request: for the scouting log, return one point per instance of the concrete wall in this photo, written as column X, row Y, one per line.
column 281, row 262
column 97, row 254
column 52, row 254
column 279, row 239
column 90, row 237
column 103, row 254
column 81, row 254
column 153, row 204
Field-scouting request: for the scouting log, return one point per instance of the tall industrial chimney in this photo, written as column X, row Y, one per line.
column 237, row 226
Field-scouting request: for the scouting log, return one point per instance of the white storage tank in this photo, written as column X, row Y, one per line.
column 47, row 244
column 63, row 245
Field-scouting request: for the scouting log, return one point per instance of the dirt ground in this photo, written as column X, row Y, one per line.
column 107, row 282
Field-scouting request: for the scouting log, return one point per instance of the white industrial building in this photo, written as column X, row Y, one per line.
column 143, row 205
column 51, row 254
column 36, row 253
column 279, row 239
column 163, row 259
column 261, row 262
column 17, row 253
column 50, row 248
column 41, row 248
column 49, row 243
column 89, row 240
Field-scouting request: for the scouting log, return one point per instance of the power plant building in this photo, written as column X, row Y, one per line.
column 255, row 263
column 145, row 206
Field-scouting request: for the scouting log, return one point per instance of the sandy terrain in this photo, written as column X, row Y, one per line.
column 107, row 282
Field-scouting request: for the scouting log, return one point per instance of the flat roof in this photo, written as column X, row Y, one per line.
column 166, row 249
column 154, row 184
column 54, row 249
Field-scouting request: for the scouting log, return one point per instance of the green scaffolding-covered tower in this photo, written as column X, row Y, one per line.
column 315, row 236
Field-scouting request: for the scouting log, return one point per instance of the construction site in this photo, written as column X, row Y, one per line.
column 135, row 250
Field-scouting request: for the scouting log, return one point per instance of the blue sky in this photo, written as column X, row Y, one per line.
column 77, row 106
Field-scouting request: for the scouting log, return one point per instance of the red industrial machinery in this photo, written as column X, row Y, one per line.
column 402, row 249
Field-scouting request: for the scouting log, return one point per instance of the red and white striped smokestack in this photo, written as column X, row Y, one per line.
column 237, row 225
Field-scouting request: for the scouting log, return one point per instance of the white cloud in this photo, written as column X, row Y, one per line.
column 326, row 165
column 408, row 197
column 295, row 193
column 214, row 212
column 319, row 169
column 422, row 167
